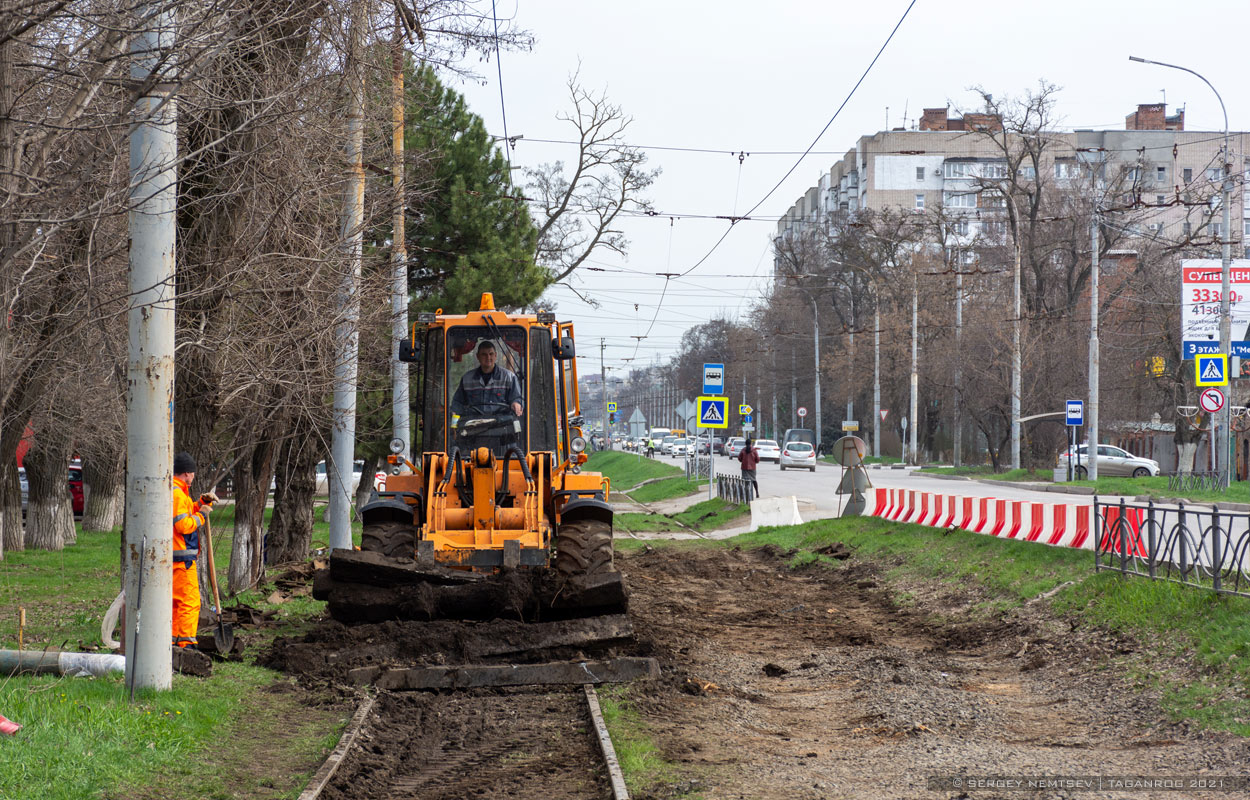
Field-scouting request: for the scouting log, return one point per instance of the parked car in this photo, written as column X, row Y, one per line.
column 798, row 454
column 75, row 487
column 734, row 446
column 323, row 485
column 769, row 451
column 1111, row 461
column 666, row 444
column 679, row 448
column 718, row 446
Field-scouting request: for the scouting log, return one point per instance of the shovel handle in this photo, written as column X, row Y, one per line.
column 212, row 567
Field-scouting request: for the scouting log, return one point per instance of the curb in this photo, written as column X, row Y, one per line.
column 331, row 765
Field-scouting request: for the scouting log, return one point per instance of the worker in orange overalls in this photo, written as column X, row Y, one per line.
column 189, row 517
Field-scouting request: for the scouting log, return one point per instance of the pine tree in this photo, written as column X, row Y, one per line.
column 474, row 234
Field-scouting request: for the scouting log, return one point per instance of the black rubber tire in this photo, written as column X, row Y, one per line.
column 783, row 468
column 584, row 549
column 1141, row 472
column 813, row 469
column 1080, row 473
column 391, row 539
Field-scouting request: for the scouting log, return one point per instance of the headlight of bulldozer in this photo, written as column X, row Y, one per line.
column 397, row 445
column 578, row 444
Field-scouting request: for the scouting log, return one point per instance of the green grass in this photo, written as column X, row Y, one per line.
column 82, row 738
column 628, row 469
column 1157, row 486
column 983, row 471
column 646, row 771
column 667, row 489
column 705, row 516
column 1208, row 630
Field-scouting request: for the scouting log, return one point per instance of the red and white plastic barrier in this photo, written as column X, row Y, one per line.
column 1056, row 524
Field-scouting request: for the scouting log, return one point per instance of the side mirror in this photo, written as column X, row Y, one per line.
column 562, row 348
column 409, row 350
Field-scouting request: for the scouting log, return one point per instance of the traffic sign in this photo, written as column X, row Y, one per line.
column 884, row 412
column 850, row 425
column 802, row 411
column 611, row 408
column 745, row 409
column 1076, row 412
column 747, row 418
column 1211, row 400
column 1211, row 369
column 713, row 412
column 748, row 428
column 713, row 379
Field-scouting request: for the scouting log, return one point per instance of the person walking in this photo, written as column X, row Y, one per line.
column 189, row 517
column 749, row 458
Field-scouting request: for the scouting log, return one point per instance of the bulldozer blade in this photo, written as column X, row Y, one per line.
column 375, row 569
column 603, row 591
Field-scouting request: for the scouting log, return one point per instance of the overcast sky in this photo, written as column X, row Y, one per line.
column 737, row 76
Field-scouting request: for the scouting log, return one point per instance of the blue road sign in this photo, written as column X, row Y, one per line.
column 1211, row 369
column 713, row 378
column 713, row 412
column 1076, row 412
column 747, row 418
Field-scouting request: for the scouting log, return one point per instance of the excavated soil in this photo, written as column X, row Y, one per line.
column 778, row 683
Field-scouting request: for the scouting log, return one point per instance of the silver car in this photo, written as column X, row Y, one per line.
column 734, row 446
column 798, row 454
column 768, row 449
column 666, row 444
column 1112, row 461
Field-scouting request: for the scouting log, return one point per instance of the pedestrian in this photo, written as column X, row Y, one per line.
column 650, row 447
column 189, row 517
column 749, row 458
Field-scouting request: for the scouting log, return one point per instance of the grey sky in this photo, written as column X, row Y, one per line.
column 750, row 76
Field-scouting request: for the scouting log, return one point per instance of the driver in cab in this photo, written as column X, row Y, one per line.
column 487, row 389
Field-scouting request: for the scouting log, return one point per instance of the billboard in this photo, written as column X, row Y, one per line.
column 1200, row 306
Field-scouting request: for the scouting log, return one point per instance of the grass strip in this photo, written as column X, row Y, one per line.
column 666, row 489
column 626, row 470
column 643, row 765
column 705, row 516
column 1154, row 486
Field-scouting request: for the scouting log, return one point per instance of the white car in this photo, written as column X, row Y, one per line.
column 323, row 485
column 1111, row 461
column 679, row 448
column 769, row 451
column 798, row 454
column 734, row 446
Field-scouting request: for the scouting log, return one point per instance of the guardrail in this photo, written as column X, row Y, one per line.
column 1196, row 482
column 733, row 489
column 1208, row 549
column 697, row 466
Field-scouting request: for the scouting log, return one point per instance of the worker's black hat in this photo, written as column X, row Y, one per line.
column 184, row 462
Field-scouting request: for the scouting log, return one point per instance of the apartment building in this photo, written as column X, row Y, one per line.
column 1171, row 176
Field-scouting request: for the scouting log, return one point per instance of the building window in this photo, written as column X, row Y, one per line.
column 1028, row 173
column 1188, row 175
column 919, row 173
column 1161, row 199
column 994, row 169
column 1216, row 202
column 1217, row 229
column 1245, row 227
column 1213, row 174
column 1187, row 228
column 1161, row 174
column 1066, row 170
column 1134, row 174
column 994, row 228
column 960, row 227
column 993, row 200
column 919, row 201
column 959, row 199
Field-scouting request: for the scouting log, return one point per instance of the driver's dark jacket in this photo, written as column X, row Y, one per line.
column 487, row 394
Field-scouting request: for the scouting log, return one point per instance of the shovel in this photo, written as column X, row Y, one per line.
column 223, row 636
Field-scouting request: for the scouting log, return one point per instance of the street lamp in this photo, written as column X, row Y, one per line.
column 1015, row 338
column 1226, row 260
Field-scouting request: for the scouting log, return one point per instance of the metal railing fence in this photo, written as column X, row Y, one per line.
column 733, row 489
column 1200, row 547
column 1196, row 482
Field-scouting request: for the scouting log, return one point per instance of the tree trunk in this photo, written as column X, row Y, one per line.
column 46, row 518
column 12, row 536
column 251, row 491
column 102, row 478
column 290, row 528
column 366, row 482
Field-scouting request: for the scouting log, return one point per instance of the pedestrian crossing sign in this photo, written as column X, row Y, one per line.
column 713, row 412
column 611, row 408
column 1210, row 369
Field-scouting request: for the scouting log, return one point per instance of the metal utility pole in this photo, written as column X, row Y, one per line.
column 959, row 334
column 850, row 386
column 1091, row 470
column 401, row 426
column 816, row 345
column 794, row 391
column 1015, row 343
column 915, row 365
column 876, row 378
column 347, row 332
column 150, row 365
column 1226, row 262
column 603, row 384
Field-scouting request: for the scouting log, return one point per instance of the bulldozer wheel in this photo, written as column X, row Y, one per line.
column 584, row 548
column 391, row 539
